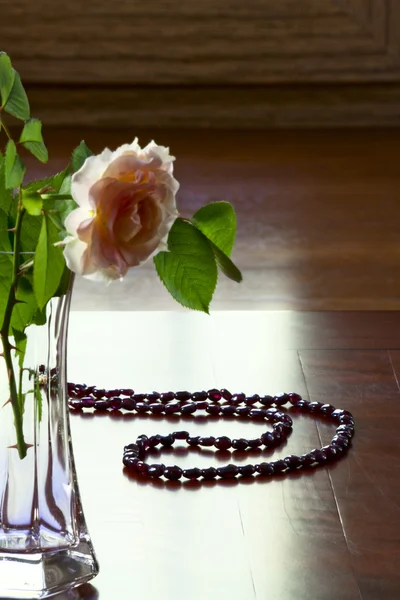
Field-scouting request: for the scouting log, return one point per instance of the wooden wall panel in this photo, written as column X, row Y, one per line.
column 226, row 42
column 225, row 63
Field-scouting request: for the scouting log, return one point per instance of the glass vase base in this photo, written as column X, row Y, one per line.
column 43, row 574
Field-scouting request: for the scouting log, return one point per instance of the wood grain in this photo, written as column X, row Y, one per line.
column 228, row 43
column 367, row 490
column 331, row 534
column 218, row 107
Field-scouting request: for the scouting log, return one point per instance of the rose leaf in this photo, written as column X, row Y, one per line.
column 188, row 270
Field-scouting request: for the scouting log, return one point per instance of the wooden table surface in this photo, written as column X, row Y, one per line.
column 329, row 534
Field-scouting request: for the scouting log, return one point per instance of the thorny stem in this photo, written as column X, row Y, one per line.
column 5, row 332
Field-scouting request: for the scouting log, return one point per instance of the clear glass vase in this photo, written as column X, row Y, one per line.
column 45, row 547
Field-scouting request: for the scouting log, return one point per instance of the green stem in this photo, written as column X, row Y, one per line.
column 8, row 134
column 5, row 332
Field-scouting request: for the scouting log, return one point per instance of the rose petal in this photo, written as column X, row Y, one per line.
column 91, row 171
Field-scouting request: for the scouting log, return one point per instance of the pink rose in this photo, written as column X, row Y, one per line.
column 126, row 208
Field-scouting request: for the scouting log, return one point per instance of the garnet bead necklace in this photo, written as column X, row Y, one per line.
column 217, row 402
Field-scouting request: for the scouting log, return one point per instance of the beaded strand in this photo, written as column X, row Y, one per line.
column 217, row 402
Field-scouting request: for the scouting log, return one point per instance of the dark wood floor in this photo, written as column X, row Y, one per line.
column 318, row 233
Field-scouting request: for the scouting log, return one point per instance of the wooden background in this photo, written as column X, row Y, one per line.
column 229, row 63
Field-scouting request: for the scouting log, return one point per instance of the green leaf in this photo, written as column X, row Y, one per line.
column 32, row 202
column 17, row 103
column 48, row 264
column 31, row 138
column 6, row 274
column 217, row 221
column 5, row 206
column 50, row 184
column 25, row 309
column 226, row 265
column 79, row 155
column 30, row 231
column 6, row 196
column 14, row 167
column 20, row 344
column 38, row 399
column 188, row 270
column 7, row 76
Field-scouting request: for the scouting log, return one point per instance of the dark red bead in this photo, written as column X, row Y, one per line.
column 264, row 468
column 294, row 398
column 172, row 407
column 76, row 404
column 128, row 404
column 198, row 396
column 346, row 420
column 270, row 413
column 207, row 440
column 302, row 405
column 254, row 443
column 126, row 392
column 257, row 413
column 181, row 435
column 277, row 435
column 142, row 407
column 267, row 400
column 307, row 460
column 213, row 409
column 228, row 471
column 281, row 399
column 193, row 440
column 167, row 396
column 330, row 452
column 88, row 402
column 98, row 393
column 130, row 461
column 243, row 411
column 286, row 420
column 111, row 393
column 154, row 440
column 250, row 400
column 240, row 444
column 238, row 399
column 223, row 443
column 247, row 470
column 115, row 403
column 209, row 473
column 193, row 473
column 153, row 397
column 183, row 396
column 345, row 430
column 226, row 394
column 201, row 405
column 339, row 412
column 156, row 408
column 133, row 447
column 319, row 456
column 156, row 470
column 278, row 466
column 327, row 409
column 292, row 462
column 341, row 441
column 167, row 440
column 42, row 369
column 228, row 411
column 267, row 439
column 142, row 467
column 139, row 397
column 315, row 407
column 188, row 409
column 173, row 473
column 101, row 405
column 214, row 395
